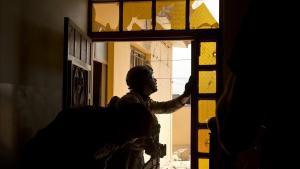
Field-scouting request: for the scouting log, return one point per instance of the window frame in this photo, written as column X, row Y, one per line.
column 137, row 58
column 186, row 33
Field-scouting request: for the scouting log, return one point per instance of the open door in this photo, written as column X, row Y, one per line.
column 77, row 65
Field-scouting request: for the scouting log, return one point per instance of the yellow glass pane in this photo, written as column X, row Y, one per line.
column 207, row 109
column 207, row 81
column 204, row 15
column 105, row 17
column 203, row 163
column 170, row 14
column 137, row 16
column 207, row 53
column 203, row 140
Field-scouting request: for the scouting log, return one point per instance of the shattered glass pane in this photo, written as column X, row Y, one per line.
column 204, row 14
column 170, row 14
column 137, row 16
column 105, row 17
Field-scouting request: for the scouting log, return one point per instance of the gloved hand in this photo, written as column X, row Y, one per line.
column 188, row 87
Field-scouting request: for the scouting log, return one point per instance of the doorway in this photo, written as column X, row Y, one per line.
column 171, row 63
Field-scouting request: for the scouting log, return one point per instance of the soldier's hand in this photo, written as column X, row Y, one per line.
column 188, row 87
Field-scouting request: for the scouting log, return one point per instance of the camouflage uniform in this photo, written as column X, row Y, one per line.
column 131, row 158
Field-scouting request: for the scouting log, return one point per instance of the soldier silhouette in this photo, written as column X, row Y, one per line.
column 142, row 84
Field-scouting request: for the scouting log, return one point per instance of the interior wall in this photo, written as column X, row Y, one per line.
column 31, row 67
column 234, row 12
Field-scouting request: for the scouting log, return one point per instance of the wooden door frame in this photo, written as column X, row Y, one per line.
column 195, row 126
column 196, row 37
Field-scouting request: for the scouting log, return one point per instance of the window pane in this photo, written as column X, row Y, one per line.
column 77, row 44
column 105, row 17
column 137, row 16
column 203, row 164
column 170, row 14
column 207, row 109
column 207, row 81
column 203, row 140
column 83, row 50
column 71, row 38
column 207, row 53
column 204, row 14
column 89, row 52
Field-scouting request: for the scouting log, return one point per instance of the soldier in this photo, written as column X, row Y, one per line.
column 142, row 84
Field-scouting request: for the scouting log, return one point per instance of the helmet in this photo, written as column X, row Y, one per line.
column 136, row 76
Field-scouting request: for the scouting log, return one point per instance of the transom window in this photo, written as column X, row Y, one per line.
column 146, row 15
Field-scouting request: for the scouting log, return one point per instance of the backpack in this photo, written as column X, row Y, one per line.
column 113, row 103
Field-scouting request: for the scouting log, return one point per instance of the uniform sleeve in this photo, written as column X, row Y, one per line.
column 168, row 106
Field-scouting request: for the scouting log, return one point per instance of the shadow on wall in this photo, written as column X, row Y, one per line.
column 34, row 101
column 39, row 96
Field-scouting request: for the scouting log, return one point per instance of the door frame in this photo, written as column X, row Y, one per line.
column 196, row 36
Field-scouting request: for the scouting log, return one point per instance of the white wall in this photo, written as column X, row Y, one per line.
column 31, row 67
